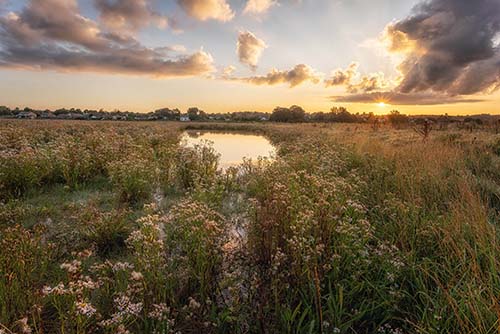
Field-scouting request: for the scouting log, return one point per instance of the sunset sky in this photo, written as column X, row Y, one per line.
column 432, row 57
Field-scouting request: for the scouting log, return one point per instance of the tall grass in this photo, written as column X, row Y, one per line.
column 346, row 231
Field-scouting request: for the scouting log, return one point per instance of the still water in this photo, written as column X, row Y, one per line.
column 232, row 146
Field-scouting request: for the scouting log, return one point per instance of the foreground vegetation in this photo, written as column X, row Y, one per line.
column 116, row 228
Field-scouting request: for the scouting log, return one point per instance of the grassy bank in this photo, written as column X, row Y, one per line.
column 115, row 228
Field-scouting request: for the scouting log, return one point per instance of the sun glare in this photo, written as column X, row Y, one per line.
column 381, row 104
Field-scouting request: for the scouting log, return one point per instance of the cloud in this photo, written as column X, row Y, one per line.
column 369, row 83
column 53, row 35
column 52, row 19
column 128, row 15
column 294, row 77
column 228, row 71
column 343, row 77
column 172, row 49
column 3, row 3
column 449, row 47
column 257, row 7
column 349, row 79
column 249, row 48
column 449, row 50
column 135, row 62
column 395, row 98
column 204, row 10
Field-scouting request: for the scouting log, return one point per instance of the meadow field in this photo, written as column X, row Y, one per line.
column 114, row 227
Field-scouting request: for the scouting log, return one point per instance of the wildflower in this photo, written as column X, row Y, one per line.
column 122, row 266
column 136, row 276
column 72, row 267
column 85, row 253
column 159, row 312
column 193, row 304
column 85, row 309
column 122, row 330
column 124, row 305
column 59, row 289
column 24, row 328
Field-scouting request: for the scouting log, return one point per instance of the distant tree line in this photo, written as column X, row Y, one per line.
column 293, row 114
column 296, row 114
column 165, row 114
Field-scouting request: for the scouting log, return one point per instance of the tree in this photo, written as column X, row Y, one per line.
column 168, row 114
column 294, row 114
column 196, row 114
column 397, row 119
column 5, row 111
column 340, row 114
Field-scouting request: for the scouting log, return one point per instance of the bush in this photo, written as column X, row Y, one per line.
column 107, row 231
column 197, row 166
column 194, row 238
column 133, row 178
column 23, row 171
column 24, row 263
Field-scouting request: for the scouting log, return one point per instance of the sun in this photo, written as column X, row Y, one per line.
column 381, row 104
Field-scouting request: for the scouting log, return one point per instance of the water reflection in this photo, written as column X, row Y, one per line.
column 232, row 146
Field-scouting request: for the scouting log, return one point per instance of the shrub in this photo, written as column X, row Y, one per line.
column 165, row 157
column 24, row 263
column 11, row 213
column 133, row 178
column 22, row 171
column 107, row 231
column 197, row 166
column 77, row 163
column 194, row 237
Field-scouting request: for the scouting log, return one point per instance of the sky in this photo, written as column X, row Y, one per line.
column 420, row 57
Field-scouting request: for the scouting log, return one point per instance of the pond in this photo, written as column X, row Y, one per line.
column 232, row 146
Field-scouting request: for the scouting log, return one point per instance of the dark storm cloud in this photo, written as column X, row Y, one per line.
column 52, row 34
column 450, row 47
column 451, row 51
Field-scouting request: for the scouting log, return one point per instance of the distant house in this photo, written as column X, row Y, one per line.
column 48, row 115
column 26, row 115
column 184, row 118
column 73, row 116
column 64, row 116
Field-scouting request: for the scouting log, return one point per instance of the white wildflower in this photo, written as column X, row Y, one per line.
column 136, row 276
column 72, row 267
column 193, row 304
column 85, row 309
